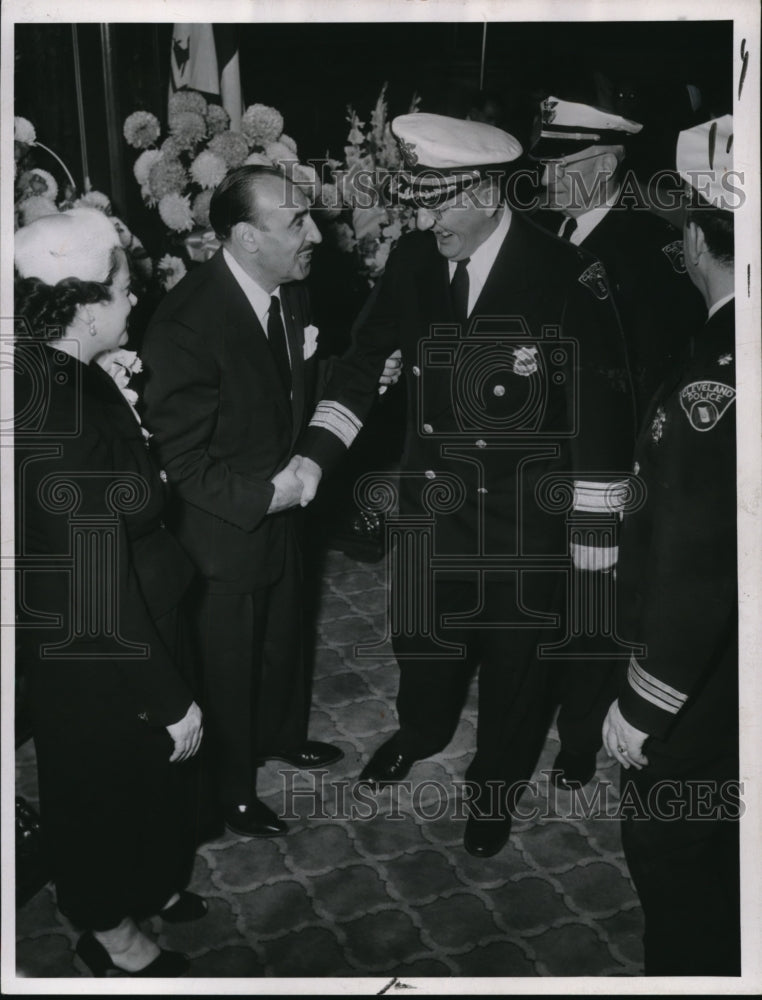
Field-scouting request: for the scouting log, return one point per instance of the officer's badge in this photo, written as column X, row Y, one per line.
column 657, row 425
column 705, row 403
column 725, row 359
column 674, row 254
column 548, row 111
column 409, row 155
column 594, row 278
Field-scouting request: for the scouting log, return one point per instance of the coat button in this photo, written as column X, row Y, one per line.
column 482, row 489
column 428, row 429
column 429, row 474
column 416, row 370
column 163, row 476
column 499, row 390
column 636, row 468
column 481, row 444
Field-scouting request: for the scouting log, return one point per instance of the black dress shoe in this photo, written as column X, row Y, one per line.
column 573, row 769
column 312, row 754
column 188, row 907
column 256, row 820
column 485, row 835
column 386, row 766
column 97, row 959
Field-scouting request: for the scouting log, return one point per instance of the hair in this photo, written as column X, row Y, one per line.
column 235, row 198
column 717, row 226
column 46, row 311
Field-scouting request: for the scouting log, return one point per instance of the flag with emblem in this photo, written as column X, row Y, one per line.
column 204, row 57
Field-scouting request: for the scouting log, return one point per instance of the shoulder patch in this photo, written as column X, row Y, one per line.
column 674, row 254
column 705, row 403
column 594, row 278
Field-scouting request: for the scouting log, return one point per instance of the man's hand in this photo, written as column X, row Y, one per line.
column 391, row 373
column 288, row 488
column 309, row 473
column 187, row 734
column 622, row 740
column 595, row 557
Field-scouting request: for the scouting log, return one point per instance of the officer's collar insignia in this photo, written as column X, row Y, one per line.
column 409, row 155
column 705, row 403
column 548, row 111
column 657, row 425
column 594, row 278
column 674, row 253
column 725, row 359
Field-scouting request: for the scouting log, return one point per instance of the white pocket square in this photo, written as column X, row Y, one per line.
column 310, row 341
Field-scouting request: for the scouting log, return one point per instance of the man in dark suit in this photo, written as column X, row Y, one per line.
column 591, row 201
column 515, row 372
column 674, row 726
column 230, row 369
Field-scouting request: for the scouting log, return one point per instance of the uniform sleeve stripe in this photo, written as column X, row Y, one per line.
column 595, row 497
column 337, row 419
column 654, row 690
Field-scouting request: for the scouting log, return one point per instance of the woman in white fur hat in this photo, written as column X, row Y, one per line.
column 101, row 637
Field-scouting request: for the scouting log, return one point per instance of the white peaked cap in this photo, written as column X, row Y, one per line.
column 704, row 157
column 72, row 244
column 442, row 143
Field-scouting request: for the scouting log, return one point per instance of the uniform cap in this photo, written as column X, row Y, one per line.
column 566, row 128
column 704, row 157
column 72, row 244
column 445, row 156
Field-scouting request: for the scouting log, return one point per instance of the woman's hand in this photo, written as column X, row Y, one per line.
column 187, row 734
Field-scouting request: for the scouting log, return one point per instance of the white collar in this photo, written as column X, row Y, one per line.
column 258, row 298
column 482, row 259
column 587, row 222
column 719, row 304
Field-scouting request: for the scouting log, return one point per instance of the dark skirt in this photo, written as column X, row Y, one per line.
column 117, row 817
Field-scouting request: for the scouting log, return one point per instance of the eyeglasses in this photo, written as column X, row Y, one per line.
column 560, row 167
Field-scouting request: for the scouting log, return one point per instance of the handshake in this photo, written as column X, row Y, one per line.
column 296, row 484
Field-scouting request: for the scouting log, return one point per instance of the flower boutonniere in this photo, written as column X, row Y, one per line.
column 310, row 341
column 121, row 365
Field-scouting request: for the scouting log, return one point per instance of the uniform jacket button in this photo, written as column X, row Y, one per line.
column 499, row 390
column 416, row 370
column 428, row 429
column 481, row 444
column 482, row 489
column 429, row 474
column 163, row 476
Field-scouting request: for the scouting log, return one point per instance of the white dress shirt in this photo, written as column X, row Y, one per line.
column 259, row 299
column 482, row 259
column 587, row 222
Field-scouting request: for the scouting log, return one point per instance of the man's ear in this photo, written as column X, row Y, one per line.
column 694, row 243
column 608, row 163
column 246, row 236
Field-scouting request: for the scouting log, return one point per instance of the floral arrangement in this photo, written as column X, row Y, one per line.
column 37, row 193
column 365, row 222
column 178, row 174
column 121, row 365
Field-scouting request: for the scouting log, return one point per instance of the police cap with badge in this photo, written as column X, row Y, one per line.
column 565, row 128
column 704, row 161
column 444, row 156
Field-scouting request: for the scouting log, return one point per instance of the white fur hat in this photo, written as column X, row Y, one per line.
column 72, row 244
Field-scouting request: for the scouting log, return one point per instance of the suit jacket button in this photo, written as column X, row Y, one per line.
column 429, row 474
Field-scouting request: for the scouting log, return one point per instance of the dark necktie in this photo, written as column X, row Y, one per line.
column 459, row 290
column 568, row 228
column 276, row 334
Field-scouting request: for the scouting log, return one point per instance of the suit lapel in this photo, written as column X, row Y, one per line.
column 295, row 337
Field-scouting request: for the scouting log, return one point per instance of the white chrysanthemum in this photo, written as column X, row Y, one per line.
column 231, row 146
column 217, row 119
column 258, row 160
column 23, row 131
column 278, row 153
column 141, row 129
column 165, row 176
column 172, row 269
column 35, row 208
column 187, row 100
column 175, row 212
column 95, row 199
column 289, row 142
column 143, row 164
column 261, row 124
column 187, row 128
column 208, row 169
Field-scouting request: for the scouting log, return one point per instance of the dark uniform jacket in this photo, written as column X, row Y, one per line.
column 677, row 575
column 81, row 457
column 480, row 436
column 658, row 305
column 223, row 423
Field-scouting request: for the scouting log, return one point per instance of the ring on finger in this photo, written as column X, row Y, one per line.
column 622, row 749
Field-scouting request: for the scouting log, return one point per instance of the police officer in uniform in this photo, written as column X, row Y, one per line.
column 515, row 371
column 674, row 726
column 591, row 201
